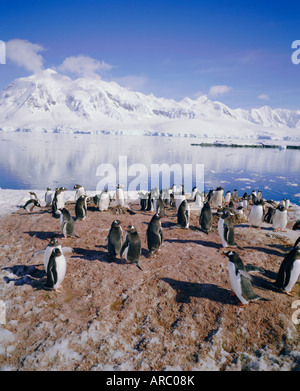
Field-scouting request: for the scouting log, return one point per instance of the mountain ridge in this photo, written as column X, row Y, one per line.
column 50, row 101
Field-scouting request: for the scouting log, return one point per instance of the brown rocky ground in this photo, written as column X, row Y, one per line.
column 176, row 314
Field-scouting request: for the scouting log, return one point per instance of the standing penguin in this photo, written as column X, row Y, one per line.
column 241, row 280
column 58, row 201
column 104, row 200
column 269, row 215
column 226, row 230
column 49, row 194
column 132, row 246
column 205, row 220
column 81, row 208
column 79, row 191
column 217, row 197
column 256, row 215
column 227, row 197
column 143, row 200
column 194, row 192
column 199, row 200
column 183, row 215
column 33, row 196
column 30, row 204
column 47, row 252
column 66, row 223
column 289, row 271
column 114, row 239
column 160, row 206
column 120, row 197
column 235, row 196
column 280, row 218
column 154, row 234
column 56, row 270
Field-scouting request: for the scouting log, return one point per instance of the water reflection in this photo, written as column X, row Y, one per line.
column 40, row 160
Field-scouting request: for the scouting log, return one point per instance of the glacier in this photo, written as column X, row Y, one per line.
column 48, row 101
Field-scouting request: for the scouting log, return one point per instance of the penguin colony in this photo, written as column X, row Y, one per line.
column 156, row 201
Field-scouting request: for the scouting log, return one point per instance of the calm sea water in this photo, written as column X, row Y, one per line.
column 37, row 161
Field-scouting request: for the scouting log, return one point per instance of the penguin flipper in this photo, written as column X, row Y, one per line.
column 245, row 274
column 138, row 266
column 252, row 268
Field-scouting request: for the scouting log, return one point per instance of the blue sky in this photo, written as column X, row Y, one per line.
column 237, row 52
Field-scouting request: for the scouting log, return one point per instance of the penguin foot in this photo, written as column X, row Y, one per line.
column 241, row 305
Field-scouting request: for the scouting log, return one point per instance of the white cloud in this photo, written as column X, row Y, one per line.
column 263, row 97
column 219, row 90
column 84, row 66
column 25, row 54
column 132, row 82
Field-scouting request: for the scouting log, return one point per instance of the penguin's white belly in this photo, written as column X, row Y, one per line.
column 295, row 273
column 60, row 201
column 227, row 198
column 120, row 197
column 49, row 198
column 236, row 282
column 256, row 215
column 280, row 219
column 104, row 202
column 79, row 192
column 217, row 199
column 199, row 201
column 61, row 267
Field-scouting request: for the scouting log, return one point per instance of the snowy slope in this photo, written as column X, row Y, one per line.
column 49, row 101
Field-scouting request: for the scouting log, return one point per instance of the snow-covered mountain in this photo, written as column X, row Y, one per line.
column 49, row 101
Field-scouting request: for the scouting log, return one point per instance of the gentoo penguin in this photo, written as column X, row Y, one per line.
column 256, row 215
column 235, row 196
column 165, row 195
column 81, row 208
column 33, row 196
column 120, row 197
column 227, row 197
column 183, row 215
column 253, row 196
column 49, row 194
column 280, row 218
column 198, row 200
column 289, row 271
column 296, row 226
column 269, row 215
column 143, row 200
column 58, row 201
column 205, row 220
column 194, row 192
column 209, row 195
column 56, row 270
column 226, row 230
column 30, row 204
column 245, row 201
column 179, row 198
column 114, row 238
column 66, row 223
column 241, row 280
column 104, row 200
column 160, row 206
column 48, row 250
column 79, row 191
column 150, row 202
column 217, row 197
column 154, row 234
column 259, row 195
column 132, row 246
